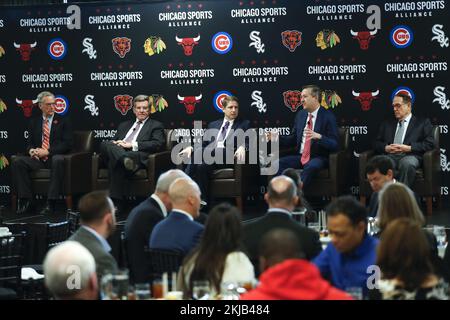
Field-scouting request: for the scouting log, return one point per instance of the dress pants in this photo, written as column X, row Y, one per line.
column 309, row 169
column 405, row 168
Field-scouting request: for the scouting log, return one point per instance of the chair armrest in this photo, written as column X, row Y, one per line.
column 158, row 163
column 78, row 171
column 338, row 166
column 246, row 172
column 432, row 165
column 363, row 159
column 95, row 162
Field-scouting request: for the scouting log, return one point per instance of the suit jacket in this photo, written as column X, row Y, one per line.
column 60, row 135
column 373, row 205
column 176, row 232
column 104, row 260
column 150, row 139
column 138, row 228
column 418, row 136
column 253, row 231
column 237, row 124
column 325, row 125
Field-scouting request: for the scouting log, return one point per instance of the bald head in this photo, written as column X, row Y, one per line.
column 282, row 193
column 167, row 178
column 185, row 195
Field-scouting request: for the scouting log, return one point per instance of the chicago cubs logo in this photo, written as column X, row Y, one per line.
column 292, row 99
column 57, row 49
column 291, row 39
column 401, row 36
column 123, row 103
column 61, row 104
column 218, row 97
column 121, row 45
column 221, row 42
column 404, row 90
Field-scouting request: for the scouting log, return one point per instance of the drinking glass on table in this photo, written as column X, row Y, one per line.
column 142, row 291
column 201, row 290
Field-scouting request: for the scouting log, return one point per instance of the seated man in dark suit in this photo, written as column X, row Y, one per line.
column 49, row 137
column 98, row 222
column 129, row 150
column 142, row 220
column 379, row 171
column 179, row 232
column 226, row 141
column 405, row 139
column 315, row 136
column 282, row 198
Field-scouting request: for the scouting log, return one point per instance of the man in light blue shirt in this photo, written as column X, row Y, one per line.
column 351, row 250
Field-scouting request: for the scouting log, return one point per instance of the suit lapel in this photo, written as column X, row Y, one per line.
column 144, row 130
column 318, row 124
column 301, row 123
column 410, row 129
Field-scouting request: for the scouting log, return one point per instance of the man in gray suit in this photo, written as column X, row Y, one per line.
column 98, row 222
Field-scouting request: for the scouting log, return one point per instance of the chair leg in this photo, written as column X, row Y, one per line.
column 362, row 200
column 239, row 204
column 14, row 202
column 429, row 206
column 69, row 202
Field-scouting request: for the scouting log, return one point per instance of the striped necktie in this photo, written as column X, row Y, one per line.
column 45, row 136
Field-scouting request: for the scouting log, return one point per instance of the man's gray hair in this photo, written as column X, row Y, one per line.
column 140, row 98
column 166, row 179
column 282, row 188
column 44, row 94
column 67, row 265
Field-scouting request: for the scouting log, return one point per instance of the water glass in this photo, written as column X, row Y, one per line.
column 115, row 285
column 201, row 290
column 142, row 291
column 439, row 232
column 315, row 226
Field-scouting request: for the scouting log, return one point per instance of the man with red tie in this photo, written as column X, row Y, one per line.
column 130, row 147
column 315, row 134
column 49, row 137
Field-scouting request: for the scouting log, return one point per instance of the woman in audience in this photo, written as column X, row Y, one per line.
column 407, row 272
column 217, row 258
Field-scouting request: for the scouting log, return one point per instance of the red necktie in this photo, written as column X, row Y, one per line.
column 307, row 148
column 46, row 137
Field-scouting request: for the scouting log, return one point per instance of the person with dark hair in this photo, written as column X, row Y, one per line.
column 225, row 141
column 286, row 275
column 130, row 147
column 98, row 222
column 282, row 198
column 379, row 171
column 314, row 134
column 406, row 266
column 351, row 250
column 49, row 138
column 302, row 203
column 405, row 139
column 217, row 258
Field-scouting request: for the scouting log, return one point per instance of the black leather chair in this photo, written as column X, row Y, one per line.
column 428, row 177
column 143, row 182
column 77, row 170
column 11, row 260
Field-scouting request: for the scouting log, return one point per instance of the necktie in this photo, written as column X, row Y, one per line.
column 133, row 133
column 223, row 132
column 399, row 134
column 45, row 136
column 307, row 148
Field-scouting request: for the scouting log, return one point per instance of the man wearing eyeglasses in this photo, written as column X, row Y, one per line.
column 49, row 138
column 405, row 139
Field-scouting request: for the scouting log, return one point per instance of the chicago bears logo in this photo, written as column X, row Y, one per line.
column 222, row 42
column 57, row 49
column 123, row 103
column 61, row 104
column 291, row 39
column 218, row 97
column 292, row 99
column 401, row 36
column 404, row 90
column 121, row 46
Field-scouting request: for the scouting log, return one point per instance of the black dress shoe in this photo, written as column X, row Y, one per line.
column 48, row 209
column 24, row 206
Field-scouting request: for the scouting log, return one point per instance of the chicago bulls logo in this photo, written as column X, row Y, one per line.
column 366, row 98
column 27, row 106
column 189, row 102
column 188, row 44
column 121, row 45
column 363, row 37
column 292, row 99
column 25, row 50
column 291, row 39
column 123, row 103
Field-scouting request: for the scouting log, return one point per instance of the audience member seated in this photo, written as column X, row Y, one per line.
column 286, row 275
column 407, row 271
column 217, row 258
column 282, row 198
column 351, row 250
column 179, row 231
column 98, row 222
column 142, row 220
column 59, row 272
column 379, row 171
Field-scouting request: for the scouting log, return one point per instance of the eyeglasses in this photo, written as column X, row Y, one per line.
column 50, row 104
column 202, row 204
column 397, row 105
